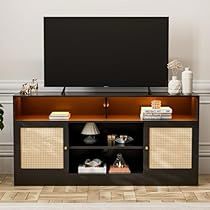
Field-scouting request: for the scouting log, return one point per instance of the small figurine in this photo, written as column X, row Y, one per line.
column 26, row 90
column 119, row 162
column 34, row 85
column 119, row 165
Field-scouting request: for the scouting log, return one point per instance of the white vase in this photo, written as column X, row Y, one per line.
column 174, row 86
column 187, row 77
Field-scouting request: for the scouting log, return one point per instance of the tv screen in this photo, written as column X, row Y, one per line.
column 106, row 51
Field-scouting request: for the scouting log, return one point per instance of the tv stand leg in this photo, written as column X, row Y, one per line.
column 63, row 91
column 149, row 91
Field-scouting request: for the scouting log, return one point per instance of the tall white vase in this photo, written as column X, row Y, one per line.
column 187, row 77
column 174, row 86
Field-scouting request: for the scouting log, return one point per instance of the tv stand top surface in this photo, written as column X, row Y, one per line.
column 104, row 94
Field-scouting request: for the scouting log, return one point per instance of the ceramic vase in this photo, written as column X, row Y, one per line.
column 187, row 78
column 174, row 86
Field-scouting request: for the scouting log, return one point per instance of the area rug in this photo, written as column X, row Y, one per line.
column 106, row 206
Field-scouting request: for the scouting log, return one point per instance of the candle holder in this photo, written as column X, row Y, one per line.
column 111, row 139
column 156, row 104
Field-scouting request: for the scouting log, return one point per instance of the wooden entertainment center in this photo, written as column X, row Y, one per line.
column 164, row 152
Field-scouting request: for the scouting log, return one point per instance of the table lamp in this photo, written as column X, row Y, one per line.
column 90, row 130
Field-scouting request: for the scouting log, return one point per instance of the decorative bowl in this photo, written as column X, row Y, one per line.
column 93, row 163
column 123, row 139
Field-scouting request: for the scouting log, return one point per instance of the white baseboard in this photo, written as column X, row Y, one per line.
column 204, row 166
column 6, row 165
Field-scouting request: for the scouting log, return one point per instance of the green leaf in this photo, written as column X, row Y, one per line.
column 1, row 126
column 1, row 117
column 1, row 111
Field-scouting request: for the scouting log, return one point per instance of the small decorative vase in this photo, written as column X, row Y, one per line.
column 174, row 86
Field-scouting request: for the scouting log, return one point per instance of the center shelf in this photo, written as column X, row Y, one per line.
column 132, row 152
column 107, row 147
column 134, row 130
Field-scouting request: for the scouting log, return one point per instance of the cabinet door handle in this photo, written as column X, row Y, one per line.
column 65, row 147
column 146, row 148
column 106, row 103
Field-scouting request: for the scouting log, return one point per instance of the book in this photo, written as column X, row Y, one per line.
column 148, row 113
column 59, row 115
column 156, row 117
column 163, row 109
column 59, row 118
column 156, row 114
column 82, row 169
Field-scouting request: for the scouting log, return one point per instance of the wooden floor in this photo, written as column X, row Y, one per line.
column 51, row 194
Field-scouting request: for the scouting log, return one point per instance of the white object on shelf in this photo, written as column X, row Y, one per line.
column 92, row 170
column 187, row 77
column 90, row 128
column 149, row 109
column 174, row 86
column 148, row 113
column 156, row 117
column 59, row 115
column 93, row 163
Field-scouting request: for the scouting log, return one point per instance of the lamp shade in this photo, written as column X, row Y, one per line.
column 90, row 128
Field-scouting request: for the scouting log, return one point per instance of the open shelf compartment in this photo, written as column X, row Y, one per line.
column 133, row 158
column 84, row 108
column 135, row 130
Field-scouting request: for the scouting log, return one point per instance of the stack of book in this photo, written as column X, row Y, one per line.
column 59, row 116
column 163, row 113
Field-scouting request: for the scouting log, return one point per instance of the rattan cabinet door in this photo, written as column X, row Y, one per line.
column 41, row 148
column 170, row 148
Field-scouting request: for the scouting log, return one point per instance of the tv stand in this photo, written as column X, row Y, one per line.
column 46, row 152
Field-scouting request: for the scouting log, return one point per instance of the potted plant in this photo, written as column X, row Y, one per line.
column 174, row 85
column 1, row 117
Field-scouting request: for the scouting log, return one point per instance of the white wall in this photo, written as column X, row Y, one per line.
column 21, row 30
column 21, row 48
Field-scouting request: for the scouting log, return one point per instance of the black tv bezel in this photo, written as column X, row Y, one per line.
column 152, row 84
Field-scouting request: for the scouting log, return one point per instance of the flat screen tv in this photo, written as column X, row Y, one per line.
column 106, row 51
